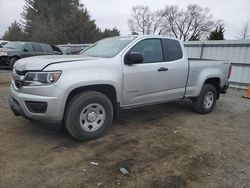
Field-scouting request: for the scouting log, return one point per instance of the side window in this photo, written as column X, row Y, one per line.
column 48, row 48
column 28, row 48
column 151, row 50
column 37, row 48
column 174, row 51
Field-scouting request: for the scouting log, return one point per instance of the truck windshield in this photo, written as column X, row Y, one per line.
column 109, row 47
column 14, row 45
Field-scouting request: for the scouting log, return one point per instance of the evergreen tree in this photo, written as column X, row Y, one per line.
column 194, row 38
column 58, row 21
column 110, row 33
column 14, row 33
column 61, row 21
column 217, row 34
column 134, row 33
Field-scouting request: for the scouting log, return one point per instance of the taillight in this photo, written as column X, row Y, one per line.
column 229, row 71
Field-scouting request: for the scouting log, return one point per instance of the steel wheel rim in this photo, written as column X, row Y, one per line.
column 92, row 117
column 209, row 99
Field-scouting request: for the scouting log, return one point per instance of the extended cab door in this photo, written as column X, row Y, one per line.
column 178, row 68
column 146, row 82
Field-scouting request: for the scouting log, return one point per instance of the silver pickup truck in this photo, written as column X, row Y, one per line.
column 85, row 92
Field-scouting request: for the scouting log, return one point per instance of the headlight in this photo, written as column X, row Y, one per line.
column 41, row 78
column 3, row 54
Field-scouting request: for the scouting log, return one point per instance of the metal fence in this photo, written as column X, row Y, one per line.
column 236, row 51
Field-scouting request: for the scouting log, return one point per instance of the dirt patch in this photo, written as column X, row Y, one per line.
column 170, row 182
column 4, row 77
column 160, row 146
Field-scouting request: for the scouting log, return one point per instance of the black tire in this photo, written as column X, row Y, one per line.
column 200, row 103
column 74, row 111
column 12, row 62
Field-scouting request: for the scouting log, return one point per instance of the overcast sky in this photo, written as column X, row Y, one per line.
column 115, row 13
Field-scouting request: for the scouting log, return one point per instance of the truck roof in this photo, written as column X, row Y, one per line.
column 151, row 36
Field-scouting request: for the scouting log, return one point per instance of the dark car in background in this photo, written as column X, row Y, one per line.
column 12, row 51
column 72, row 49
column 2, row 43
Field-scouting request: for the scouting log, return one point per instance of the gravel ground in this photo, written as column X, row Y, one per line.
column 165, row 145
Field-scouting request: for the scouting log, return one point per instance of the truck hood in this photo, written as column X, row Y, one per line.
column 40, row 62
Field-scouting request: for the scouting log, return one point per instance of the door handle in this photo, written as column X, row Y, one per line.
column 162, row 69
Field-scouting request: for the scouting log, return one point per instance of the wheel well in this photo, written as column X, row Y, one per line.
column 105, row 89
column 15, row 56
column 216, row 83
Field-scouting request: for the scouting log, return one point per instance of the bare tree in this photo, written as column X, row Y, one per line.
column 144, row 21
column 156, row 22
column 140, row 19
column 193, row 23
column 244, row 33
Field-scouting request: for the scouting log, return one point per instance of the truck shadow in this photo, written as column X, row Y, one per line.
column 133, row 117
column 156, row 112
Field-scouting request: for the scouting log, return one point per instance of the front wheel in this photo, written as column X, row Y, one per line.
column 205, row 103
column 88, row 115
column 12, row 62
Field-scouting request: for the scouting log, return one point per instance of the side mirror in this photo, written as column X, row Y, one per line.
column 134, row 58
column 25, row 50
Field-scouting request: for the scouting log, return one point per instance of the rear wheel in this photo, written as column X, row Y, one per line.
column 205, row 103
column 88, row 115
column 12, row 62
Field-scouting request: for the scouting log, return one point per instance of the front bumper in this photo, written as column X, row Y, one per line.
column 16, row 108
column 4, row 61
column 53, row 113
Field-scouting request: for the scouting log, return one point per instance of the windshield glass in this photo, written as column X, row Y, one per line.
column 14, row 45
column 109, row 47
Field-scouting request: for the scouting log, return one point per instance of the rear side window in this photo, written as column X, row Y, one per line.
column 173, row 50
column 28, row 47
column 47, row 48
column 37, row 48
column 151, row 50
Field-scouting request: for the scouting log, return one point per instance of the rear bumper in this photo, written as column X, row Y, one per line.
column 224, row 89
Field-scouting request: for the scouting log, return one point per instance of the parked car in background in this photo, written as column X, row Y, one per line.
column 2, row 43
column 86, row 91
column 72, row 49
column 12, row 51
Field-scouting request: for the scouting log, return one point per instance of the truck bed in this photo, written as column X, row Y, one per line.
column 199, row 68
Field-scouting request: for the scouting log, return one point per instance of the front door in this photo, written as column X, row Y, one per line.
column 146, row 82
